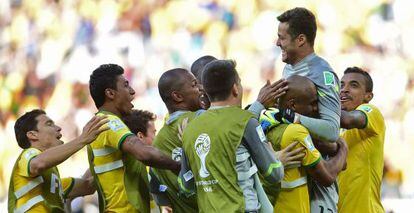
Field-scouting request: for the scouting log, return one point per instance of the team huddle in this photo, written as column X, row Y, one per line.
column 309, row 143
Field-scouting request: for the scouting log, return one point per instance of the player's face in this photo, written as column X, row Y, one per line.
column 191, row 92
column 124, row 95
column 150, row 135
column 48, row 133
column 286, row 43
column 353, row 91
column 308, row 105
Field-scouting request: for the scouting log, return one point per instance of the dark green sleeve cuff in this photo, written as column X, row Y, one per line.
column 314, row 163
column 121, row 141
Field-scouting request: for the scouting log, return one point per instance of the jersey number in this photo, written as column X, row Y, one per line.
column 322, row 209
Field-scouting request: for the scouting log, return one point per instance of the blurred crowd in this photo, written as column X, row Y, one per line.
column 48, row 48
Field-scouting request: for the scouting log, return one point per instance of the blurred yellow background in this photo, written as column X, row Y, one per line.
column 48, row 48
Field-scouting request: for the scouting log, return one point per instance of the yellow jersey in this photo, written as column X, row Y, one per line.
column 360, row 183
column 294, row 195
column 43, row 193
column 108, row 166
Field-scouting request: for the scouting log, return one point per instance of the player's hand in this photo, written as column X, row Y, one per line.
column 343, row 146
column 269, row 93
column 166, row 209
column 291, row 157
column 93, row 128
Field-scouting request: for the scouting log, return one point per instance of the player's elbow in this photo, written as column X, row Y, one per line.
column 37, row 167
column 276, row 175
column 89, row 186
column 331, row 134
column 327, row 180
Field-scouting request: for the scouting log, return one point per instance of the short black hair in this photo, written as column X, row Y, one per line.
column 369, row 85
column 103, row 77
column 24, row 124
column 198, row 66
column 219, row 76
column 300, row 21
column 170, row 81
column 138, row 120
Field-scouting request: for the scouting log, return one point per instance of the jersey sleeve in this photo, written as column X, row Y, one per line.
column 67, row 185
column 117, row 132
column 256, row 143
column 327, row 127
column 300, row 134
column 24, row 162
column 374, row 120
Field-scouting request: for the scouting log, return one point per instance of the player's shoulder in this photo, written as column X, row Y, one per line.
column 295, row 130
column 370, row 109
column 115, row 123
column 29, row 153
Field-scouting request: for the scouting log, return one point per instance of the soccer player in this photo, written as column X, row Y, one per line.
column 113, row 172
column 359, row 185
column 296, row 37
column 141, row 123
column 224, row 147
column 294, row 195
column 197, row 69
column 180, row 92
column 35, row 184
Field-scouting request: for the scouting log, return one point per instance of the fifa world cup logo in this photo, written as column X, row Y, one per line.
column 202, row 147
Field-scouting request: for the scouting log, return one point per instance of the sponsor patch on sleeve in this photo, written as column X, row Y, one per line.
column 309, row 143
column 365, row 108
column 30, row 153
column 261, row 134
column 115, row 125
column 329, row 78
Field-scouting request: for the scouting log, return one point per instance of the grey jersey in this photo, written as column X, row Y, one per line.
column 321, row 74
column 323, row 199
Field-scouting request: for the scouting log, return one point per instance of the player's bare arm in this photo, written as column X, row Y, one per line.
column 149, row 155
column 353, row 119
column 56, row 155
column 325, row 172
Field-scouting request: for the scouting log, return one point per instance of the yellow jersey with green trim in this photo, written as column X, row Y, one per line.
column 108, row 166
column 43, row 193
column 294, row 195
column 360, row 183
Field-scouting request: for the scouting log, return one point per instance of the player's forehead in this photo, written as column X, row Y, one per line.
column 43, row 119
column 120, row 79
column 283, row 28
column 353, row 77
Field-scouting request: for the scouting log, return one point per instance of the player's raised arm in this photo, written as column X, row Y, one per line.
column 56, row 155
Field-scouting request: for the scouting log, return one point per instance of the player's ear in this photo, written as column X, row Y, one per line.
column 140, row 135
column 177, row 96
column 31, row 135
column 109, row 93
column 368, row 97
column 235, row 90
column 301, row 40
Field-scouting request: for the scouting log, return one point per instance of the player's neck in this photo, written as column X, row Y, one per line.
column 227, row 102
column 303, row 54
column 111, row 109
